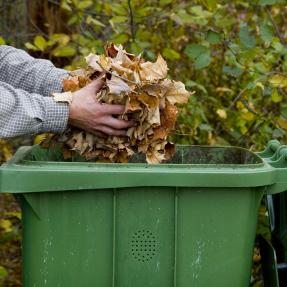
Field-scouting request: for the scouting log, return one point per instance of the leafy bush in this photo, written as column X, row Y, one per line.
column 233, row 53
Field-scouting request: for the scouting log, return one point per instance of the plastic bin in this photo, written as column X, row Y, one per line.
column 187, row 222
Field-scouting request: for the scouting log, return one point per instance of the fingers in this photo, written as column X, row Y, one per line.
column 113, row 109
column 96, row 85
column 117, row 124
column 110, row 131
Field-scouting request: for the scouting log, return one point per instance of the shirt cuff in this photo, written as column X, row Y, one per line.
column 56, row 116
column 54, row 81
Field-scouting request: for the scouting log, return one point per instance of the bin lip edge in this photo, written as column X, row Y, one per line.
column 30, row 163
column 19, row 159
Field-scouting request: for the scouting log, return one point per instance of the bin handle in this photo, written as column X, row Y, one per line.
column 276, row 156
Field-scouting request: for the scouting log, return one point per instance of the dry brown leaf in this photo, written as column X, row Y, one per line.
column 155, row 154
column 176, row 93
column 169, row 151
column 71, row 84
column 121, row 70
column 149, row 100
column 111, row 50
column 99, row 62
column 168, row 117
column 153, row 116
column 133, row 104
column 153, row 71
column 117, row 86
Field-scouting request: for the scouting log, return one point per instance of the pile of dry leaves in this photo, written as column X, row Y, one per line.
column 150, row 100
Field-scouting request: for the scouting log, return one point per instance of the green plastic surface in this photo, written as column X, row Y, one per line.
column 280, row 206
column 36, row 170
column 188, row 222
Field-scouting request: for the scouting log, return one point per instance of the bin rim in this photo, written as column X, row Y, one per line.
column 20, row 176
column 20, row 159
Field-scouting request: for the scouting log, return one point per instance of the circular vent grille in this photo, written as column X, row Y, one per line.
column 143, row 245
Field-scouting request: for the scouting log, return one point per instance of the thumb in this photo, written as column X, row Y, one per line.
column 96, row 85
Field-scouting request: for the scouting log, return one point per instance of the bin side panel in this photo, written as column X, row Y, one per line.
column 71, row 243
column 145, row 237
column 216, row 231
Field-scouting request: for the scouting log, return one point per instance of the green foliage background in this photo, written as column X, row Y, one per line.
column 232, row 53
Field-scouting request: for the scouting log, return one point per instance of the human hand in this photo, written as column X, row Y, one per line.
column 87, row 113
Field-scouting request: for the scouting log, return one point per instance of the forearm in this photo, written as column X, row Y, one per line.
column 24, row 72
column 22, row 113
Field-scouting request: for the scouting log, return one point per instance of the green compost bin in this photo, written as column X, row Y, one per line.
column 188, row 222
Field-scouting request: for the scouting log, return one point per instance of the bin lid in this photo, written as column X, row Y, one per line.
column 34, row 169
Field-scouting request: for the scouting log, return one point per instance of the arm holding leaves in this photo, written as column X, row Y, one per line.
column 23, row 109
column 23, row 113
column 22, row 71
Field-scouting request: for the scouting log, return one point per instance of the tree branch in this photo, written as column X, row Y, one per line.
column 132, row 25
column 277, row 30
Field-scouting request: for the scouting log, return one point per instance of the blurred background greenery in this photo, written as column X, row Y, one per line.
column 232, row 53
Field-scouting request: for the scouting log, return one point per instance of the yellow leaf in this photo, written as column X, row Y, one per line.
column 6, row 225
column 40, row 138
column 221, row 113
column 275, row 97
column 40, row 43
column 246, row 115
column 224, row 90
column 240, row 105
column 91, row 20
column 65, row 51
column 259, row 85
column 60, row 38
column 6, row 150
column 2, row 41
column 278, row 81
column 14, row 214
column 282, row 123
column 30, row 46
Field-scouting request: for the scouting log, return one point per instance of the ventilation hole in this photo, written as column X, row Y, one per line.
column 143, row 245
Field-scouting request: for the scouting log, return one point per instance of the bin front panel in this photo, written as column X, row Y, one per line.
column 144, row 237
column 69, row 242
column 138, row 237
column 216, row 232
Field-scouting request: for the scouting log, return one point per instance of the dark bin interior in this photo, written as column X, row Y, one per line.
column 214, row 155
column 185, row 154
